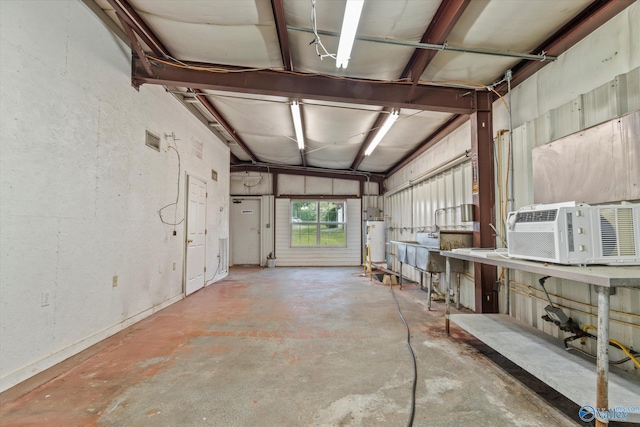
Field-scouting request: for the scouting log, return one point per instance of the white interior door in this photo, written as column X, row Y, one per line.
column 196, row 223
column 245, row 233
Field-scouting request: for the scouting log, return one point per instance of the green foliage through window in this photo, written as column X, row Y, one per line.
column 318, row 223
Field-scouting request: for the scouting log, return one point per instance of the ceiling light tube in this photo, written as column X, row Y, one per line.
column 297, row 123
column 352, row 12
column 383, row 131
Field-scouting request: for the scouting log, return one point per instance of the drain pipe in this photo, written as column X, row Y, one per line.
column 510, row 198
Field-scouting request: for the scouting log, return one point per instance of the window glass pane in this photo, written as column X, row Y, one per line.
column 332, row 212
column 304, row 234
column 304, row 211
column 318, row 223
column 332, row 235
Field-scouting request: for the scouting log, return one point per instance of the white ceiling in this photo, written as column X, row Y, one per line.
column 243, row 33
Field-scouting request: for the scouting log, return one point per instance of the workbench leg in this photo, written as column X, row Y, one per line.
column 430, row 289
column 602, row 365
column 458, row 291
column 507, row 279
column 447, row 296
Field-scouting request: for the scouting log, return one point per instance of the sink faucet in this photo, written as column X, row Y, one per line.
column 435, row 218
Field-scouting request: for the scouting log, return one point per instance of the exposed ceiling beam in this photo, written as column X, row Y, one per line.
column 202, row 97
column 134, row 43
column 130, row 18
column 283, row 36
column 372, row 133
column 429, row 142
column 441, row 25
column 111, row 25
column 311, row 86
column 323, row 173
column 106, row 19
column 201, row 116
column 590, row 19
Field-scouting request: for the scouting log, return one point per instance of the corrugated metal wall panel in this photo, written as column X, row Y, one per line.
column 605, row 103
column 453, row 145
column 447, row 190
column 628, row 91
column 567, row 119
column 523, row 142
column 601, row 104
column 527, row 299
column 541, row 129
column 286, row 256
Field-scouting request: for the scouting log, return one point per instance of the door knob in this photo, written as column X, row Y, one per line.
column 189, row 241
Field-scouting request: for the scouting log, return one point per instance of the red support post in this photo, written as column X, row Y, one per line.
column 483, row 190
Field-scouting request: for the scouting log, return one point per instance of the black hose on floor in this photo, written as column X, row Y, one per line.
column 413, row 356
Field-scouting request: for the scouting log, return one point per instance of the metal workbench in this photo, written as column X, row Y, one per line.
column 604, row 278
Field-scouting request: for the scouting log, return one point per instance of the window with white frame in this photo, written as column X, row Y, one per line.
column 318, row 223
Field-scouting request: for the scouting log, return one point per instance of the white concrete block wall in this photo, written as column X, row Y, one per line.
column 80, row 190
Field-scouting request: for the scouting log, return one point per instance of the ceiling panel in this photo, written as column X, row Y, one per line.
column 334, row 125
column 274, row 149
column 218, row 12
column 331, row 156
column 411, row 128
column 456, row 68
column 243, row 45
column 364, row 63
column 243, row 33
column 400, row 19
column 239, row 152
column 256, row 117
column 515, row 25
column 395, row 19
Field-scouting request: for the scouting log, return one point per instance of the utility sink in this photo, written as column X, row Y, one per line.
column 446, row 240
column 424, row 254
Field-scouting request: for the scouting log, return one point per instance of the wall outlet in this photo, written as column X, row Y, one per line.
column 115, row 281
column 45, row 299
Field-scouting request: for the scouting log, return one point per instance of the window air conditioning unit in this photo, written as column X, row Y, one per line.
column 571, row 233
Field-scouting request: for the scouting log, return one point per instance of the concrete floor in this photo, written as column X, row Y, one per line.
column 281, row 347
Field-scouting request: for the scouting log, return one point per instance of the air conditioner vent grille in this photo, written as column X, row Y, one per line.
column 537, row 216
column 533, row 244
column 616, row 232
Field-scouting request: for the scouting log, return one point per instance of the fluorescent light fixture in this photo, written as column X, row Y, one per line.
column 382, row 131
column 352, row 12
column 297, row 123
